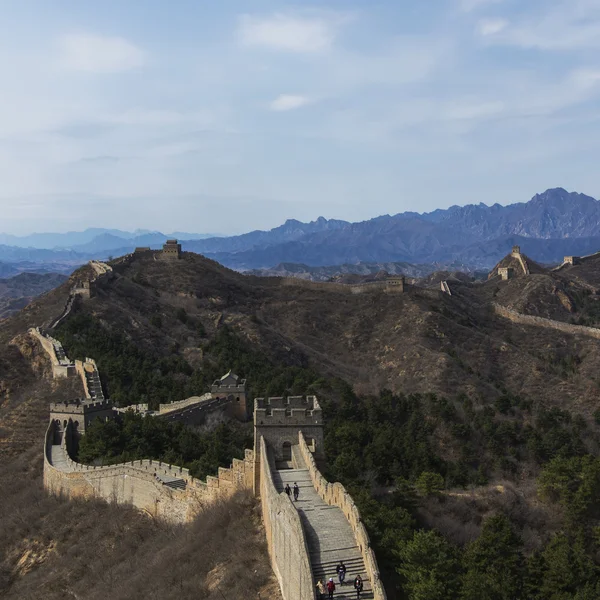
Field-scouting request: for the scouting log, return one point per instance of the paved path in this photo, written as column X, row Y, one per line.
column 58, row 458
column 328, row 533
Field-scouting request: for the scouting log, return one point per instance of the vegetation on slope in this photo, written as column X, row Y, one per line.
column 54, row 549
column 401, row 457
column 134, row 438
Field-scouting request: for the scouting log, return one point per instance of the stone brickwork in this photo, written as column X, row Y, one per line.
column 286, row 540
column 334, row 494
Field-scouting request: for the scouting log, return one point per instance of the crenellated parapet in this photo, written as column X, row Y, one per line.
column 334, row 494
column 158, row 488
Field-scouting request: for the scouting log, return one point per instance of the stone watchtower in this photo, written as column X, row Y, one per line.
column 81, row 412
column 231, row 386
column 279, row 420
column 171, row 250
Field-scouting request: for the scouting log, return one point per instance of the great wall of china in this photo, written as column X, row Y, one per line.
column 305, row 539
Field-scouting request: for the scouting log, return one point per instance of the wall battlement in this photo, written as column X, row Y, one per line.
column 290, row 411
column 143, row 484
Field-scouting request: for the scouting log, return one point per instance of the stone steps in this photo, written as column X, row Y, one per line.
column 173, row 482
column 328, row 534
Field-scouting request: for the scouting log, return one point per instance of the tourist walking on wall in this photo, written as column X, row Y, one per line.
column 321, row 590
column 296, row 491
column 330, row 587
column 341, row 571
column 288, row 489
column 358, row 586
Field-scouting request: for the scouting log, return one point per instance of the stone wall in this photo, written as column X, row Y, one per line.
column 60, row 368
column 517, row 317
column 195, row 414
column 286, row 543
column 137, row 483
column 179, row 404
column 388, row 287
column 336, row 495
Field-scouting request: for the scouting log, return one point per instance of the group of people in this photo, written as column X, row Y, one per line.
column 288, row 491
column 329, row 587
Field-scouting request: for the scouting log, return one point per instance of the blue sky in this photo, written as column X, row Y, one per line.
column 233, row 115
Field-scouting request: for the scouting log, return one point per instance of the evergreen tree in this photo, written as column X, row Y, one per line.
column 494, row 563
column 430, row 567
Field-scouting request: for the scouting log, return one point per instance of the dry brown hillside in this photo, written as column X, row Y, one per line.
column 419, row 341
column 56, row 549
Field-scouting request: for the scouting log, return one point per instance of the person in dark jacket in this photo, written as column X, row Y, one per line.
column 341, row 571
column 358, row 586
column 288, row 489
column 296, row 491
column 330, row 587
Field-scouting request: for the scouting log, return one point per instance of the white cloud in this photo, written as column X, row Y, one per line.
column 568, row 25
column 288, row 102
column 470, row 5
column 289, row 32
column 99, row 54
column 487, row 27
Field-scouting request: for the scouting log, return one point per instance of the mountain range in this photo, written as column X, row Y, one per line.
column 547, row 227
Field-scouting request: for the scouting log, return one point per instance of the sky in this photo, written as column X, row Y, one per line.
column 231, row 115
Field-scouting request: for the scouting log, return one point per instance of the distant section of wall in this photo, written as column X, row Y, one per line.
column 179, row 404
column 517, row 317
column 139, row 483
column 195, row 413
column 336, row 495
column 395, row 285
column 285, row 537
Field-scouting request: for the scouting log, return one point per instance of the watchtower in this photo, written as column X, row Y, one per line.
column 231, row 386
column 505, row 273
column 516, row 250
column 84, row 289
column 171, row 250
column 280, row 419
column 396, row 284
column 81, row 412
column 571, row 260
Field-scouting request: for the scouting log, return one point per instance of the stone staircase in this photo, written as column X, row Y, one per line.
column 173, row 482
column 328, row 534
column 94, row 386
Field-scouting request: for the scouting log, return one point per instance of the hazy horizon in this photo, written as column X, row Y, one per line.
column 229, row 117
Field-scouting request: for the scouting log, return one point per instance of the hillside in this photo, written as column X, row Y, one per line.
column 16, row 292
column 439, row 384
column 77, row 549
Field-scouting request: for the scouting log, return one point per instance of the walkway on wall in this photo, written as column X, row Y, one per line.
column 328, row 533
column 58, row 458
